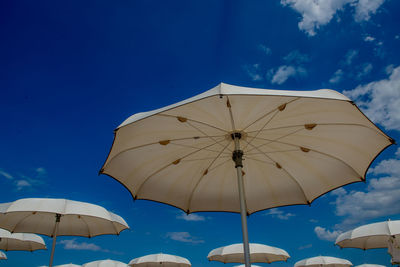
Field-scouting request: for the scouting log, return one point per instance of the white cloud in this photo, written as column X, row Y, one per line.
column 349, row 57
column 285, row 72
column 276, row 213
column 41, row 172
column 22, row 184
column 183, row 237
column 6, row 175
column 380, row 100
column 74, row 245
column 305, row 247
column 252, row 71
column 265, row 49
column 369, row 38
column 325, row 234
column 317, row 13
column 190, row 217
column 337, row 76
column 365, row 69
column 295, row 57
column 365, row 8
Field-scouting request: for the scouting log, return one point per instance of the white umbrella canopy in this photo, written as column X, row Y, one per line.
column 296, row 146
column 258, row 253
column 64, row 265
column 323, row 261
column 54, row 217
column 160, row 259
column 3, row 255
column 370, row 265
column 374, row 235
column 20, row 241
column 105, row 263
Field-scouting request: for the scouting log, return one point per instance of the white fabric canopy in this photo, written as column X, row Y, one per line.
column 105, row 263
column 37, row 215
column 20, row 241
column 370, row 265
column 297, row 145
column 3, row 255
column 160, row 259
column 323, row 261
column 374, row 235
column 258, row 253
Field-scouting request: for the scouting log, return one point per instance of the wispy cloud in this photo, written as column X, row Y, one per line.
column 305, row 247
column 72, row 244
column 22, row 184
column 254, row 72
column 277, row 213
column 267, row 51
column 6, row 175
column 190, row 217
column 325, row 234
column 284, row 72
column 183, row 237
column 349, row 57
column 380, row 100
column 337, row 76
column 317, row 13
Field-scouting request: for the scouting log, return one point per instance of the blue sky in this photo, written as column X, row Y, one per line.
column 71, row 71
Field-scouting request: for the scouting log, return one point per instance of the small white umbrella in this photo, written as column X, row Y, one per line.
column 258, row 253
column 374, row 235
column 160, row 259
column 3, row 255
column 323, row 261
column 20, row 241
column 370, row 265
column 105, row 263
column 55, row 217
column 243, row 150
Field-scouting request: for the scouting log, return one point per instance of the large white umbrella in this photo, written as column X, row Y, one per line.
column 258, row 253
column 105, row 263
column 374, row 235
column 244, row 150
column 160, row 260
column 323, row 261
column 3, row 255
column 20, row 241
column 55, row 217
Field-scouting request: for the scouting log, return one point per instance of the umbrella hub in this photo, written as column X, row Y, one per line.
column 237, row 154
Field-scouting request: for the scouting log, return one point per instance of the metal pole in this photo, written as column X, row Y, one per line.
column 237, row 156
column 58, row 217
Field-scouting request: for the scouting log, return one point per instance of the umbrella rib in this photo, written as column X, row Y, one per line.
column 187, row 146
column 187, row 160
column 19, row 222
column 269, row 112
column 265, row 124
column 290, row 175
column 204, row 174
column 276, row 151
column 153, row 143
column 274, row 140
column 200, row 122
column 87, row 225
column 314, row 150
column 228, row 104
column 166, row 166
column 212, row 138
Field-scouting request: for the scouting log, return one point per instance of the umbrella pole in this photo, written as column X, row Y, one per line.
column 237, row 156
column 58, row 217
